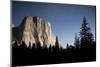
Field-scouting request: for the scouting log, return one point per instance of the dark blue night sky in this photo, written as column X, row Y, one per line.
column 65, row 19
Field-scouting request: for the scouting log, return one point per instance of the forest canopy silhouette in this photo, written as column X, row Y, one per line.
column 84, row 49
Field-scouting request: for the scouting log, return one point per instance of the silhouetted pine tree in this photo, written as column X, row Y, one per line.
column 57, row 43
column 39, row 45
column 71, row 47
column 50, row 48
column 85, row 35
column 29, row 45
column 67, row 46
column 23, row 45
column 76, row 42
column 33, row 46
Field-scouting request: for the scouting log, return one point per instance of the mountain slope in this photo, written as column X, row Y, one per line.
column 35, row 30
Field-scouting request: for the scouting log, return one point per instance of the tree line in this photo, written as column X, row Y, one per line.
column 84, row 49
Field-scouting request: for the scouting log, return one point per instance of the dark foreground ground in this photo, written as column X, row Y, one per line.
column 22, row 56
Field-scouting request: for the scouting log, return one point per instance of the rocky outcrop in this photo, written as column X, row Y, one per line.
column 34, row 30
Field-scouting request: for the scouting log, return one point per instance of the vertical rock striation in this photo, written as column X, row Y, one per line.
column 34, row 30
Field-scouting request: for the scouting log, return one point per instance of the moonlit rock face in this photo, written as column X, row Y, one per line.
column 34, row 30
column 27, row 35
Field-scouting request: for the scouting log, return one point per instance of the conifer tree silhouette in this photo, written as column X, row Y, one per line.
column 57, row 43
column 85, row 35
column 76, row 42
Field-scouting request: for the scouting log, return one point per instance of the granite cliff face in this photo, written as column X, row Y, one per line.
column 34, row 30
